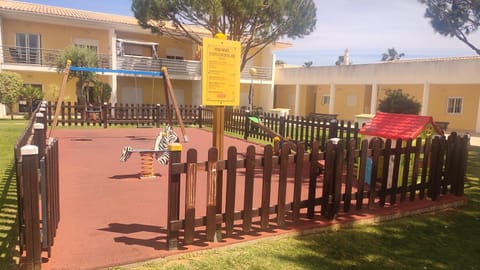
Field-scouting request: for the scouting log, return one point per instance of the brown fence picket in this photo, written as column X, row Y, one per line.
column 315, row 170
column 266, row 185
column 361, row 174
column 173, row 203
column 406, row 169
column 338, row 176
column 282, row 185
column 212, row 195
column 297, row 185
column 376, row 152
column 416, row 167
column 426, row 161
column 387, row 151
column 397, row 155
column 328, row 180
column 248, row 197
column 350, row 174
column 231, row 188
column 435, row 170
column 190, row 196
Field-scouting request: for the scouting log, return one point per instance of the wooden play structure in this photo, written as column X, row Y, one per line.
column 278, row 139
column 168, row 136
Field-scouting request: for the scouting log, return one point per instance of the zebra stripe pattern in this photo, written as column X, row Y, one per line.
column 166, row 137
column 126, row 153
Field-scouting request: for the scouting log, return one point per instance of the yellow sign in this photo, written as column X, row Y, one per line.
column 221, row 72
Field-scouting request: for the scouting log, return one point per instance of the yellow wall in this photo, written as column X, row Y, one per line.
column 437, row 105
column 54, row 36
column 349, row 101
column 282, row 94
column 322, row 90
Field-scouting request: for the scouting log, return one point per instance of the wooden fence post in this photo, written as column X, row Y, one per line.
column 333, row 129
column 105, row 113
column 190, row 188
column 158, row 115
column 312, row 185
column 200, row 116
column 39, row 136
column 281, row 128
column 30, row 176
column 173, row 196
column 246, row 132
column 212, row 233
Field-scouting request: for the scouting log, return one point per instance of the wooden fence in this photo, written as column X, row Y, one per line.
column 269, row 189
column 37, row 170
column 296, row 128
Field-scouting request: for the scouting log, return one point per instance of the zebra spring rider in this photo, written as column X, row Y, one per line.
column 166, row 137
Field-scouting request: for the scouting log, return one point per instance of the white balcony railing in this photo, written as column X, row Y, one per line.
column 15, row 55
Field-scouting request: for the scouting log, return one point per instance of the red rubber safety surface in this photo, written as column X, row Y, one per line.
column 110, row 217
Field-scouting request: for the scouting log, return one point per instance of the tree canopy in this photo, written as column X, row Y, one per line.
column 255, row 23
column 454, row 18
column 11, row 84
column 392, row 55
column 396, row 101
column 80, row 57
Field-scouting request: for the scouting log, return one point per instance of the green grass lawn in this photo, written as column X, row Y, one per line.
column 10, row 130
column 444, row 240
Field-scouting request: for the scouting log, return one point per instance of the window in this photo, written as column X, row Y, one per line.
column 454, row 105
column 28, row 48
column 87, row 43
column 325, row 100
column 351, row 101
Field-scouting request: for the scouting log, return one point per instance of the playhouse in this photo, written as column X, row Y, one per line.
column 398, row 126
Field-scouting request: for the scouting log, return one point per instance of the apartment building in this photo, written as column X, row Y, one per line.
column 33, row 35
column 447, row 88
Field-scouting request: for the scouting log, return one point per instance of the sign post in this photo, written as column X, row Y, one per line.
column 220, row 88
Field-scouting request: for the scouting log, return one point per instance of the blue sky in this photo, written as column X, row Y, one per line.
column 366, row 27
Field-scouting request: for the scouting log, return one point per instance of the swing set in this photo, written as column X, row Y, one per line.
column 166, row 137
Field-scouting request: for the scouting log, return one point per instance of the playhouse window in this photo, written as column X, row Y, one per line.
column 454, row 105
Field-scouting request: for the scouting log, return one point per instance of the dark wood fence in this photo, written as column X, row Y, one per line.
column 299, row 129
column 142, row 115
column 267, row 190
column 37, row 170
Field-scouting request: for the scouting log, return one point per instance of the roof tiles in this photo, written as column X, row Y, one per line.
column 398, row 126
column 65, row 12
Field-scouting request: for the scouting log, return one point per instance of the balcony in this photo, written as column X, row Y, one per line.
column 14, row 55
column 179, row 69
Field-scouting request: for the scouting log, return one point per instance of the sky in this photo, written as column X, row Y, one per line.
column 366, row 27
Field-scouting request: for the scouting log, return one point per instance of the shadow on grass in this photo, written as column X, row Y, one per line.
column 441, row 240
column 8, row 220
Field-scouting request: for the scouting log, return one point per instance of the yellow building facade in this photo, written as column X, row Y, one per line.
column 447, row 88
column 32, row 36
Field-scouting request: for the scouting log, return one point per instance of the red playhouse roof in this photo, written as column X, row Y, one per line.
column 398, row 126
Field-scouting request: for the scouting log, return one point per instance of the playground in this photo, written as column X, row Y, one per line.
column 109, row 216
